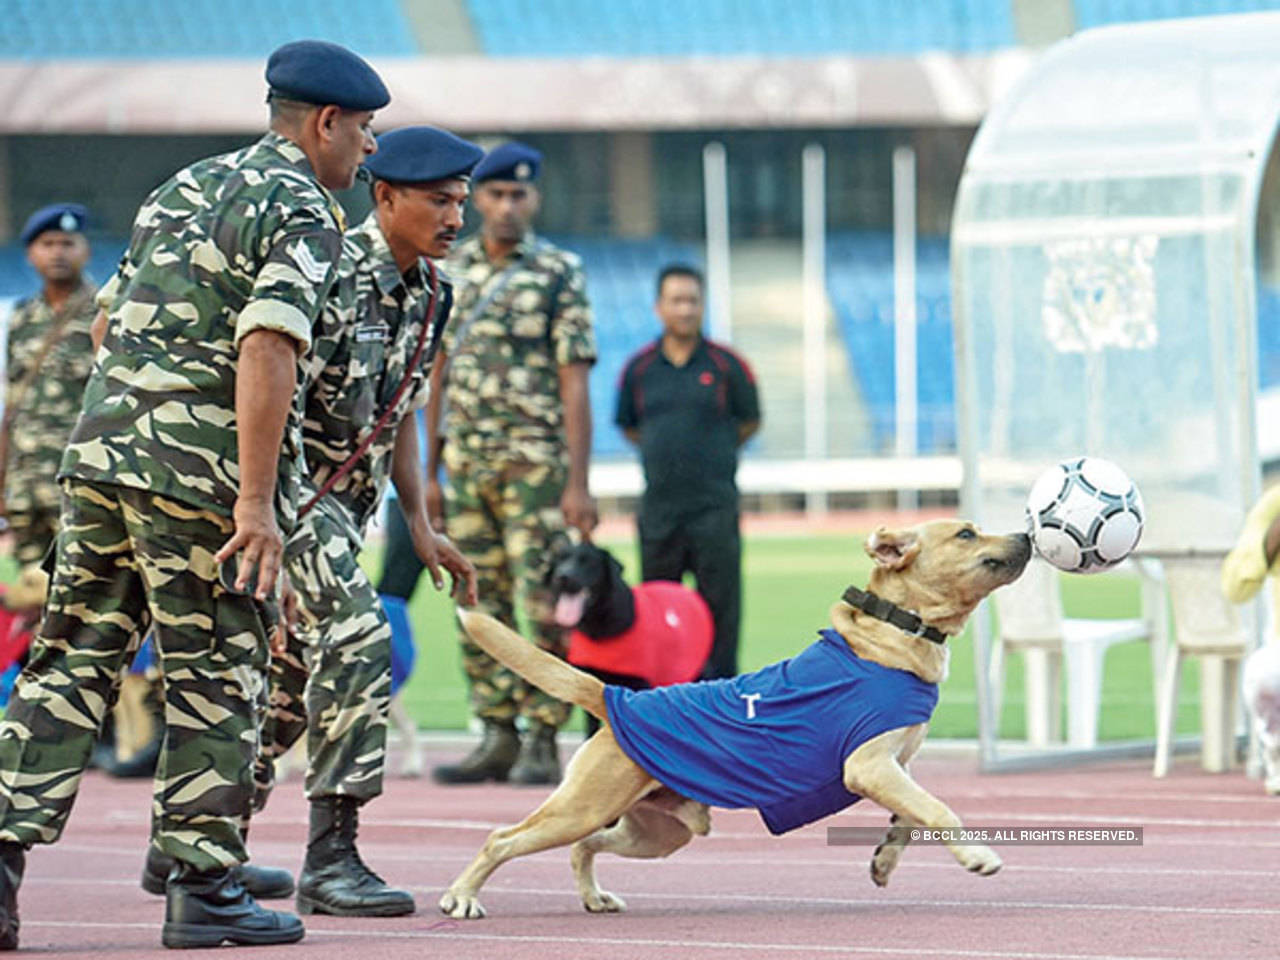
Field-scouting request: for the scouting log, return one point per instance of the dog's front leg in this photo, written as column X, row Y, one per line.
column 873, row 771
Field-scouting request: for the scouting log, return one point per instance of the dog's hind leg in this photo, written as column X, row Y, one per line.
column 600, row 785
column 647, row 831
column 886, row 856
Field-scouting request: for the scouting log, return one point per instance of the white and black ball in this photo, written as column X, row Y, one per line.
column 1084, row 515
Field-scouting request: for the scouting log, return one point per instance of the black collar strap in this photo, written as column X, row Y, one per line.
column 882, row 609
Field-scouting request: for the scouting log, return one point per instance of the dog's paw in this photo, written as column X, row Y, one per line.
column 601, row 901
column 979, row 859
column 411, row 767
column 883, row 862
column 461, row 907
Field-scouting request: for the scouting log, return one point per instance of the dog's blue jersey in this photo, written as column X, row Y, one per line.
column 775, row 739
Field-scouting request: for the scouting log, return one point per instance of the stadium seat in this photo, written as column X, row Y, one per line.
column 620, row 276
column 1210, row 627
column 860, row 285
column 1032, row 623
column 198, row 28
column 626, row 28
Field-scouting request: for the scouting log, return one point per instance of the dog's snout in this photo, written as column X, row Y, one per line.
column 1021, row 551
column 1013, row 559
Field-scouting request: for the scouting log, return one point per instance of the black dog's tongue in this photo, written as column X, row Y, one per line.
column 569, row 607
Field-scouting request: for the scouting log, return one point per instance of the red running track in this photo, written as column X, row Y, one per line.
column 1202, row 885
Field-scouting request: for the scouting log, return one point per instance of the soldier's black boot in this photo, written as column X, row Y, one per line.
column 263, row 883
column 207, row 909
column 490, row 760
column 539, row 760
column 13, row 860
column 334, row 879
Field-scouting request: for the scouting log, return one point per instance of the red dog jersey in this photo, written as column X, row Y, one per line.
column 669, row 642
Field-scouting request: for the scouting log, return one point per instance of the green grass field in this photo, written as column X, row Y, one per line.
column 789, row 584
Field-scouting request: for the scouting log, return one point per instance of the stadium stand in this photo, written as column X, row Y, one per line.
column 628, row 28
column 620, row 278
column 1097, row 13
column 620, row 282
column 198, row 28
column 860, row 285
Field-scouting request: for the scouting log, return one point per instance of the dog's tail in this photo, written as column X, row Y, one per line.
column 547, row 672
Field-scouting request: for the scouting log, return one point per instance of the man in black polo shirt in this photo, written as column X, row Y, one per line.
column 689, row 404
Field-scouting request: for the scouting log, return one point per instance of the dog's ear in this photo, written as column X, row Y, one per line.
column 615, row 566
column 561, row 547
column 893, row 549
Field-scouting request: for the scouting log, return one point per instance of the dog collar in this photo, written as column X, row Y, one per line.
column 882, row 609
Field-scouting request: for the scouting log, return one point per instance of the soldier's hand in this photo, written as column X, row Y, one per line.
column 258, row 541
column 435, row 550
column 579, row 509
column 434, row 497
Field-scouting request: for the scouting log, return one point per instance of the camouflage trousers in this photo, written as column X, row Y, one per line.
column 334, row 681
column 505, row 518
column 128, row 561
column 33, row 533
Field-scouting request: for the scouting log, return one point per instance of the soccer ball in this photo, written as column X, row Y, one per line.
column 1084, row 515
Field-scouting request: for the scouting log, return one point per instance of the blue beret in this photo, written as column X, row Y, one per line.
column 315, row 71
column 511, row 161
column 420, row 154
column 69, row 217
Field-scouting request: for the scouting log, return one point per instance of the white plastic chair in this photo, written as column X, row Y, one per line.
column 1208, row 626
column 1032, row 622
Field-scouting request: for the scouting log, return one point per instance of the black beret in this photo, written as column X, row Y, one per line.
column 316, row 71
column 511, row 161
column 69, row 217
column 420, row 154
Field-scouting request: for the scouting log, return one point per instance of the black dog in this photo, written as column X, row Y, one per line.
column 655, row 634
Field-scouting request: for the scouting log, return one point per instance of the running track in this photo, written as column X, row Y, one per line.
column 1203, row 885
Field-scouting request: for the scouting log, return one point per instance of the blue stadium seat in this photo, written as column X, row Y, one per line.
column 568, row 28
column 620, row 282
column 860, row 285
column 1097, row 13
column 197, row 28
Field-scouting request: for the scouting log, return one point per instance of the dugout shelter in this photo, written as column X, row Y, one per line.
column 1106, row 263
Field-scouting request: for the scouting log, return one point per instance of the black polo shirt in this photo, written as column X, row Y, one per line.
column 688, row 420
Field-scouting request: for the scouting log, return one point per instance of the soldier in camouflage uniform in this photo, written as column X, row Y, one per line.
column 49, row 358
column 366, row 348
column 189, row 454
column 516, row 437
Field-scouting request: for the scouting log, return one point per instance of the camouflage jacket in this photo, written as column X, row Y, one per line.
column 236, row 243
column 43, row 412
column 502, row 394
column 367, row 336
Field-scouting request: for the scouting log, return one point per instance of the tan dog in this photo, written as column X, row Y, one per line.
column 608, row 803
